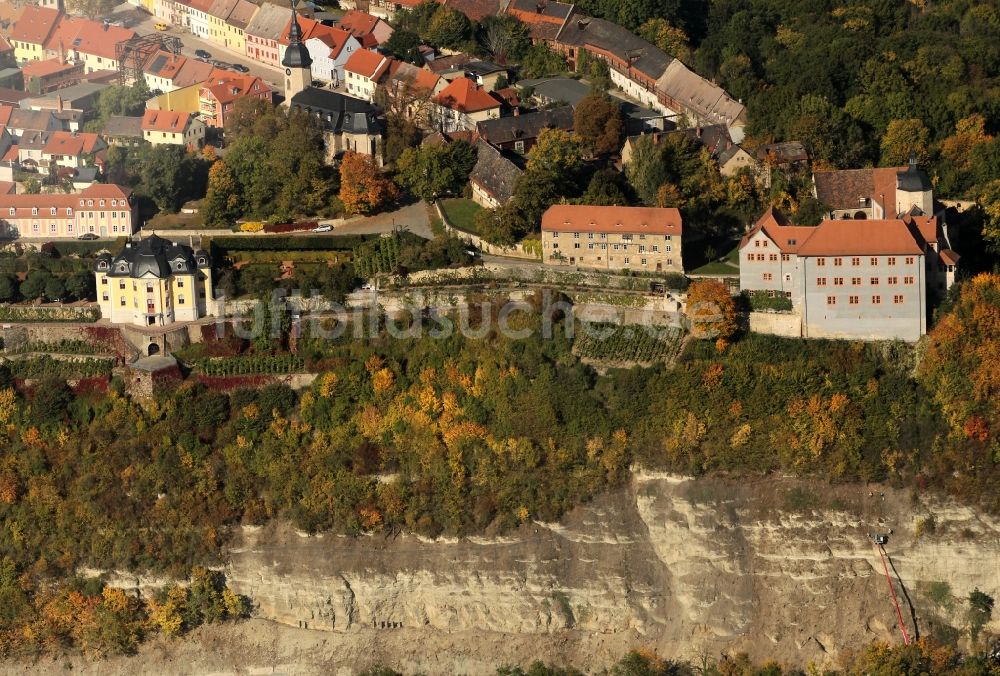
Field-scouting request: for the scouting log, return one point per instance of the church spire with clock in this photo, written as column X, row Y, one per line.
column 297, row 62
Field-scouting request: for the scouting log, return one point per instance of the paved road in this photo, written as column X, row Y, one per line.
column 412, row 217
column 191, row 43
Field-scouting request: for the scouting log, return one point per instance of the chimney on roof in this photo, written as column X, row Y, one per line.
column 59, row 102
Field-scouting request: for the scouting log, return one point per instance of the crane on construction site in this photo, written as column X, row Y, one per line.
column 881, row 540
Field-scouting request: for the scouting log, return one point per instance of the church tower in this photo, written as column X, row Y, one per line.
column 297, row 62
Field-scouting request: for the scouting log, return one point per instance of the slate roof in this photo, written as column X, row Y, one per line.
column 29, row 120
column 841, row 189
column 152, row 256
column 610, row 37
column 707, row 99
column 563, row 89
column 494, row 173
column 782, row 153
column 339, row 113
column 525, row 126
column 269, row 22
column 914, row 179
column 121, row 125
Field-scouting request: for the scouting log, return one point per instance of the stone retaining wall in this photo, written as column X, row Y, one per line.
column 519, row 251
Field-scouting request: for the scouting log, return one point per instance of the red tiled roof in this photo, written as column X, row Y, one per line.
column 165, row 120
column 583, row 218
column 466, row 96
column 949, row 257
column 4, row 45
column 35, row 24
column 229, row 88
column 62, row 200
column 45, row 67
column 334, row 38
column 358, row 23
column 787, row 237
column 367, row 63
column 11, row 155
column 71, row 143
column 860, row 237
column 419, row 78
column 5, row 112
column 6, row 188
column 89, row 37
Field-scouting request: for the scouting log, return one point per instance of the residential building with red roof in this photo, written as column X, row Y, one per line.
column 32, row 31
column 197, row 17
column 330, row 50
column 103, row 209
column 363, row 70
column 236, row 25
column 462, row 104
column 167, row 127
column 859, row 279
column 369, row 30
column 218, row 96
column 7, row 58
column 613, row 238
column 41, row 77
column 92, row 42
column 71, row 149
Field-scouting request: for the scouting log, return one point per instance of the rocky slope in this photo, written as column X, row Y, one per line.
column 779, row 568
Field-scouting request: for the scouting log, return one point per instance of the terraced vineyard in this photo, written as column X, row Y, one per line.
column 617, row 345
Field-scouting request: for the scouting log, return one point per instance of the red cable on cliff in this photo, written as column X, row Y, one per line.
column 892, row 591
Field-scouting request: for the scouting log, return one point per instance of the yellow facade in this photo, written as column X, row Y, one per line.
column 28, row 51
column 183, row 100
column 177, row 288
column 235, row 39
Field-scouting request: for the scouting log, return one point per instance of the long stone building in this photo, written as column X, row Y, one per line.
column 102, row 209
column 612, row 238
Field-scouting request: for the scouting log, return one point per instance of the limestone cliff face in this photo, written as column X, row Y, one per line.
column 779, row 568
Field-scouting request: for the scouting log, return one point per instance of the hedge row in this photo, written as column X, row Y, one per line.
column 239, row 366
column 44, row 365
column 315, row 242
column 9, row 313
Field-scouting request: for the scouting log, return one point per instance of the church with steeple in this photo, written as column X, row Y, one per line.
column 348, row 124
column 297, row 61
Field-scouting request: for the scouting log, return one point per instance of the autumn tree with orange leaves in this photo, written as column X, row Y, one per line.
column 711, row 310
column 363, row 189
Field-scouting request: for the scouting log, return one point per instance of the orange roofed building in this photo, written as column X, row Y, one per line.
column 613, row 238
column 103, row 209
column 462, row 104
column 218, row 96
column 167, row 127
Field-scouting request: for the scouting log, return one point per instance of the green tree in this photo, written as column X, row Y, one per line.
column 903, row 137
column 980, row 612
column 401, row 133
column 540, row 60
column 127, row 100
column 431, row 171
column 606, row 188
column 670, row 39
column 34, row 284
column 449, row 29
column 647, row 170
column 598, row 123
column 8, row 288
column 404, row 45
column 50, row 400
column 55, row 289
column 170, row 176
column 503, row 37
column 32, row 186
column 223, row 204
column 80, row 285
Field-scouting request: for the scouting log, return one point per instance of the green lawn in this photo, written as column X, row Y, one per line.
column 724, row 265
column 461, row 213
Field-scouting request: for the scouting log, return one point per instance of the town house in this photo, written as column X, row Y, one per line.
column 102, row 209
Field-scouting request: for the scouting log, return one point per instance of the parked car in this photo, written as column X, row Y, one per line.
column 222, row 64
column 326, row 227
column 88, row 236
column 202, row 54
column 160, row 26
column 240, row 68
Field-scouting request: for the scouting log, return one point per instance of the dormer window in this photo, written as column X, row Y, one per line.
column 52, row 211
column 34, row 211
column 81, row 203
column 102, row 203
column 13, row 211
column 69, row 211
column 90, row 203
column 201, row 260
column 103, row 265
